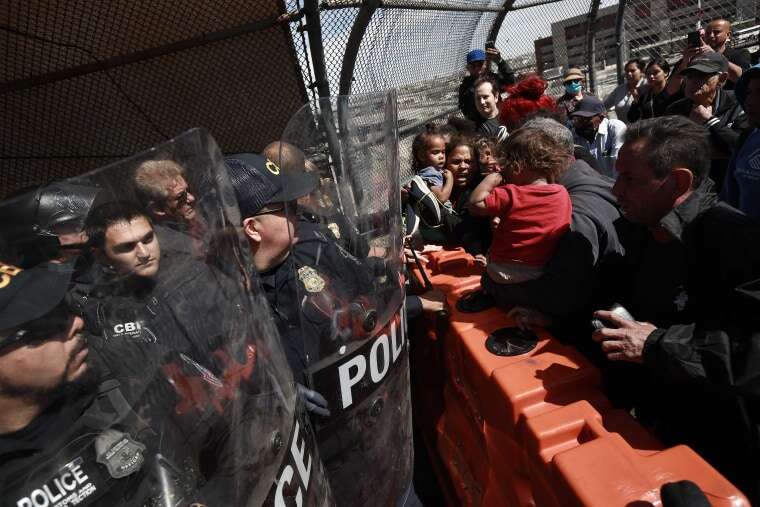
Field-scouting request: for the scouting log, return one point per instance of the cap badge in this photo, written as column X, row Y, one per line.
column 272, row 167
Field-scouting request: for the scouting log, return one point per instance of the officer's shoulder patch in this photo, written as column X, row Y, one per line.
column 311, row 279
column 334, row 229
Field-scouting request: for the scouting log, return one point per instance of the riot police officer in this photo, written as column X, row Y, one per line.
column 324, row 300
column 191, row 400
column 61, row 440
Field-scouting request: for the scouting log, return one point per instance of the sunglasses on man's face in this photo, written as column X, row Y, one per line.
column 573, row 81
column 52, row 324
column 181, row 198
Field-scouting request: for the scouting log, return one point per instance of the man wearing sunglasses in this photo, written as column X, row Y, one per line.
column 163, row 191
column 162, row 188
column 321, row 296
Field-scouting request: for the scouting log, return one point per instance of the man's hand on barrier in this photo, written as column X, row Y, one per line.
column 433, row 301
column 526, row 317
column 625, row 340
column 481, row 260
column 493, row 54
column 315, row 402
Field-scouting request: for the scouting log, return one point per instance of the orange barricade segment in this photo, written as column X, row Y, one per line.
column 533, row 429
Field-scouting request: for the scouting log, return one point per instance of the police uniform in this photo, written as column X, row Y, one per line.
column 318, row 269
column 325, row 301
column 87, row 447
column 176, row 320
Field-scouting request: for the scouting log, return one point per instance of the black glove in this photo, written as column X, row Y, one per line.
column 315, row 402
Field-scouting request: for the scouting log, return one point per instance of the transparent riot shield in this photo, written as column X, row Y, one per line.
column 185, row 397
column 346, row 258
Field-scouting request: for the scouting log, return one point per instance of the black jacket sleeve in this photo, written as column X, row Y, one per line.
column 506, row 75
column 725, row 131
column 413, row 306
column 729, row 363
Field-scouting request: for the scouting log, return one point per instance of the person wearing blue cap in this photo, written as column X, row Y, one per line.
column 741, row 187
column 479, row 65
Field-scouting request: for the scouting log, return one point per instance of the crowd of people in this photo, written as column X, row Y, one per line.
column 573, row 213
column 130, row 351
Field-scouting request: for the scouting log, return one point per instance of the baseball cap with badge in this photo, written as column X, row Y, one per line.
column 707, row 63
column 258, row 181
column 30, row 296
column 589, row 106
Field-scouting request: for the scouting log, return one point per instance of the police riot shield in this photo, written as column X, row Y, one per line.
column 185, row 396
column 346, row 260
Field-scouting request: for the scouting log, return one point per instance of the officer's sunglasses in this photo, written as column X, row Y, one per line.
column 573, row 81
column 49, row 325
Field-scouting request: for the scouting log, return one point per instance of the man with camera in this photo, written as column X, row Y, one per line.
column 688, row 269
column 479, row 65
column 713, row 39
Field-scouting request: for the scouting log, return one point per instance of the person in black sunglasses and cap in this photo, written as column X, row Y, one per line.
column 267, row 198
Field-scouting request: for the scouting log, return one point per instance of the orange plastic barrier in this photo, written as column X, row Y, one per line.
column 533, row 429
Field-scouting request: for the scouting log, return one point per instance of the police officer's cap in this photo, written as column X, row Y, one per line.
column 28, row 294
column 258, row 181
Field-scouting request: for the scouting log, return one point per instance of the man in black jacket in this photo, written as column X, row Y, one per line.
column 479, row 65
column 685, row 256
column 708, row 104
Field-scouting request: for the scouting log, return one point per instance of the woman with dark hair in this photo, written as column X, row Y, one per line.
column 472, row 233
column 655, row 98
column 525, row 99
column 624, row 95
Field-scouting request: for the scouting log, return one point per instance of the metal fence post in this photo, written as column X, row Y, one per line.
column 496, row 26
column 591, row 45
column 358, row 30
column 620, row 41
column 316, row 47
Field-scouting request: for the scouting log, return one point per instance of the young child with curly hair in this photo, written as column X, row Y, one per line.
column 533, row 211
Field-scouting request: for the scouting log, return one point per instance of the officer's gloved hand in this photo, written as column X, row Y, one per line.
column 315, row 402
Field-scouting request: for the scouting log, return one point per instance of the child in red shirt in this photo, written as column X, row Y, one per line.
column 533, row 212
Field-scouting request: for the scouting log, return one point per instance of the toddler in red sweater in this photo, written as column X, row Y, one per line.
column 533, row 212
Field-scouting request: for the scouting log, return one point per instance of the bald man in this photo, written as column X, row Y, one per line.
column 715, row 39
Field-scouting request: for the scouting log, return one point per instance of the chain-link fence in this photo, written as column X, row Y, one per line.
column 85, row 83
column 658, row 28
